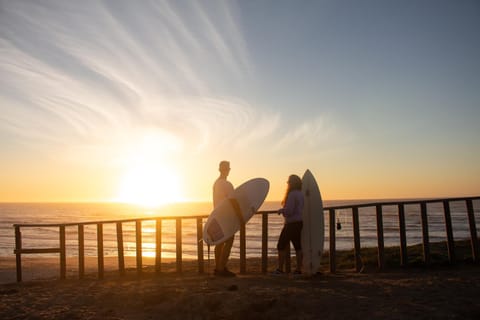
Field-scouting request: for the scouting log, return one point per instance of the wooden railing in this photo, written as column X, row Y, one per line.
column 402, row 229
column 332, row 211
column 19, row 250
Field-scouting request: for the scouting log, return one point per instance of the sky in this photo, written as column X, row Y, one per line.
column 138, row 101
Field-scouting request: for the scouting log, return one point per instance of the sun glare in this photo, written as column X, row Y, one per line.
column 149, row 187
column 149, row 179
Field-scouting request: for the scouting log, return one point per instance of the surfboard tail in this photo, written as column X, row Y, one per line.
column 214, row 231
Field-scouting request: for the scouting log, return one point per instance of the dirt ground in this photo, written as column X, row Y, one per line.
column 411, row 293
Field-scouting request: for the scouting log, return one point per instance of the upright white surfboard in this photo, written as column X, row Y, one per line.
column 313, row 233
column 224, row 220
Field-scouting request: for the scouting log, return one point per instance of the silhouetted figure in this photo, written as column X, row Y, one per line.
column 222, row 188
column 292, row 229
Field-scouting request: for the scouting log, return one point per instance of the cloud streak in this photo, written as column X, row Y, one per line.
column 75, row 74
column 90, row 69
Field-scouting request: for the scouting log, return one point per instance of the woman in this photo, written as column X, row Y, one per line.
column 292, row 229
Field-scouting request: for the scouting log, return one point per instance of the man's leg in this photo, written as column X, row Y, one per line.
column 227, row 247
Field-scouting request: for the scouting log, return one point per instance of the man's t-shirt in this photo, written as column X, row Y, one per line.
column 221, row 190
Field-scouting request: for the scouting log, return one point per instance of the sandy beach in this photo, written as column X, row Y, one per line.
column 446, row 292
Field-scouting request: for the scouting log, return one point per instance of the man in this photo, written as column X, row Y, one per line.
column 222, row 188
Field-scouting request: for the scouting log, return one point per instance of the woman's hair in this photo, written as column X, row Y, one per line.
column 294, row 183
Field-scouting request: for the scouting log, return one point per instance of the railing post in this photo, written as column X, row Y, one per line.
column 426, row 241
column 380, row 238
column 200, row 245
column 63, row 254
column 264, row 242
column 158, row 245
column 473, row 231
column 138, row 236
column 449, row 230
column 81, row 252
column 179, row 245
column 243, row 249
column 332, row 239
column 18, row 252
column 356, row 239
column 403, row 235
column 120, row 249
column 100, row 250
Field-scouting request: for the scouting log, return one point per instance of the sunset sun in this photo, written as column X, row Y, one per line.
column 149, row 178
column 149, row 187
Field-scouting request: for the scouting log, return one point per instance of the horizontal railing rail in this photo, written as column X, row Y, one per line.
column 331, row 211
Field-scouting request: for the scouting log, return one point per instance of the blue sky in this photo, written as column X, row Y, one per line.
column 380, row 99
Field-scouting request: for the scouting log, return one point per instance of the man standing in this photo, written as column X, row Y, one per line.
column 222, row 188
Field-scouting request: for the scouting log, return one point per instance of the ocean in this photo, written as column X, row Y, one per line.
column 47, row 237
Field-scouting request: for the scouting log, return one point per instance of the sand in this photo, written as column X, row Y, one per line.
column 411, row 293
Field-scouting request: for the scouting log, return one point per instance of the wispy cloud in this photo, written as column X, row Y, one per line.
column 100, row 74
column 81, row 71
column 312, row 134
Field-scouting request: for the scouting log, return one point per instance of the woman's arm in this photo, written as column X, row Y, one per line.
column 289, row 207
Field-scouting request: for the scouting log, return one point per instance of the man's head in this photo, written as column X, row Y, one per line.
column 224, row 167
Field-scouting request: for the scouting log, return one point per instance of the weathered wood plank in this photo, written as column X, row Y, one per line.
column 138, row 245
column 264, row 242
column 200, row 245
column 18, row 252
column 473, row 231
column 63, row 254
column 158, row 245
column 81, row 252
column 425, row 235
column 449, row 231
column 403, row 235
column 101, row 266
column 380, row 239
column 120, row 248
column 35, row 250
column 356, row 239
column 179, row 245
column 243, row 249
column 332, row 240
